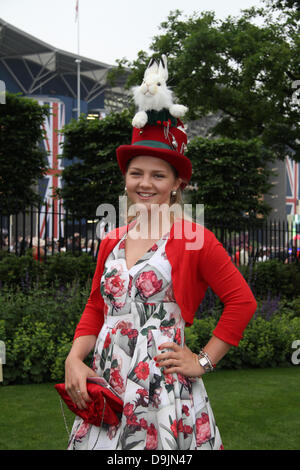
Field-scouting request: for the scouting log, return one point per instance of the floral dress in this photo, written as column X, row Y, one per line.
column 161, row 411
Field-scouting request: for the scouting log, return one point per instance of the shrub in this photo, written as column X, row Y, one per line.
column 273, row 277
column 38, row 328
column 265, row 343
column 57, row 271
column 57, row 368
column 31, row 352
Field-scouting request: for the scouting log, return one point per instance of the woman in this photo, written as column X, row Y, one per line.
column 149, row 281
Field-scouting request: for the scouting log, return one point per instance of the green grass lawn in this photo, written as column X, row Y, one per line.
column 254, row 409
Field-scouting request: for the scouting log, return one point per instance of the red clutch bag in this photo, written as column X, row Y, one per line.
column 105, row 406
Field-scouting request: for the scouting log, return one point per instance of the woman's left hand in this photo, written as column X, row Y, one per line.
column 179, row 361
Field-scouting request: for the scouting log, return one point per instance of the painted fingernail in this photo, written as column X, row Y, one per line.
column 157, row 364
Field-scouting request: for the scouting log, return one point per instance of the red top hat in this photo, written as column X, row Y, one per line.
column 162, row 140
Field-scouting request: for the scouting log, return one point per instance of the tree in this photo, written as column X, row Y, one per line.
column 22, row 161
column 283, row 4
column 94, row 177
column 228, row 182
column 247, row 71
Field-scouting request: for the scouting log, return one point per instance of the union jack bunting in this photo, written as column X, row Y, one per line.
column 292, row 185
column 52, row 213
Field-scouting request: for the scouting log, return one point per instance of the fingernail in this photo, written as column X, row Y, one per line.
column 157, row 365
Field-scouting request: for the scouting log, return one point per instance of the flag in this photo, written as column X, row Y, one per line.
column 76, row 10
column 292, row 185
column 52, row 213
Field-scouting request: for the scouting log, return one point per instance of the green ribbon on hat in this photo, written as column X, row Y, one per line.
column 154, row 144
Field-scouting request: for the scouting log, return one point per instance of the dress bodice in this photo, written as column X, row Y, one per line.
column 147, row 281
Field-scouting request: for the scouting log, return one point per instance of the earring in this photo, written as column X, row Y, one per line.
column 173, row 193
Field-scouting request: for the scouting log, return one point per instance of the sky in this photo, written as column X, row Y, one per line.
column 110, row 29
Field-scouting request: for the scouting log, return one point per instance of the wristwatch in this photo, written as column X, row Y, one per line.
column 205, row 362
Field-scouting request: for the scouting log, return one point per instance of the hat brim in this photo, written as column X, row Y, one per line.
column 180, row 162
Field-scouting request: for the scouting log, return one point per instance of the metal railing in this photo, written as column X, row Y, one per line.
column 273, row 239
column 47, row 232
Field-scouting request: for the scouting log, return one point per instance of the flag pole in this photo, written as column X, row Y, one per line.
column 78, row 61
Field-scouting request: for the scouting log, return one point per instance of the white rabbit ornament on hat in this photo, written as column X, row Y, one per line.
column 154, row 99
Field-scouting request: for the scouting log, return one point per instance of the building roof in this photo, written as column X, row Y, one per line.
column 44, row 62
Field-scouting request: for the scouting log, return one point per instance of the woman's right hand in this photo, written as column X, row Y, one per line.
column 76, row 373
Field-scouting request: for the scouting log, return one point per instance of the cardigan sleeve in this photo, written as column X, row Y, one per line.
column 92, row 318
column 230, row 286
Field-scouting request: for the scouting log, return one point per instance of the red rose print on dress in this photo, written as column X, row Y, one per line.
column 120, row 325
column 116, row 381
column 155, row 397
column 174, row 428
column 169, row 379
column 131, row 333
column 114, row 285
column 112, row 431
column 202, row 429
column 148, row 284
column 183, row 380
column 143, row 399
column 132, row 420
column 128, row 409
column 142, row 392
column 82, row 431
column 143, row 423
column 107, row 341
column 142, row 370
column 184, row 428
column 118, row 304
column 151, row 440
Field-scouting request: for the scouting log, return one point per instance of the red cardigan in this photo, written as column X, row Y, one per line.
column 193, row 270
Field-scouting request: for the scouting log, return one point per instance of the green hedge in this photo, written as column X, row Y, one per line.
column 41, row 303
column 265, row 343
column 58, row 270
column 38, row 329
column 273, row 277
column 270, row 277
